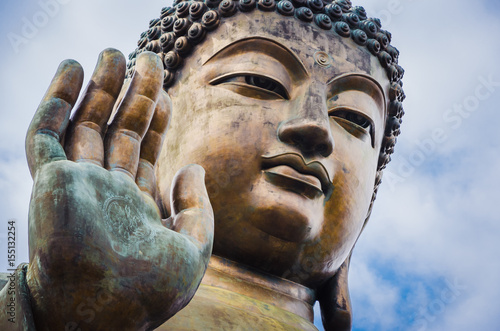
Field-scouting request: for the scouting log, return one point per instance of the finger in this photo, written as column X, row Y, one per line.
column 124, row 136
column 126, row 85
column 43, row 141
column 84, row 140
column 191, row 208
column 151, row 145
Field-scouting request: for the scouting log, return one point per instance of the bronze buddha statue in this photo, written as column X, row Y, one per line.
column 280, row 116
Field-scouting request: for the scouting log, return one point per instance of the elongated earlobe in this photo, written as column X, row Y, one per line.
column 335, row 302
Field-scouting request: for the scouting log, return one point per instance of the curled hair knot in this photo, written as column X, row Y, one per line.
column 172, row 60
column 395, row 108
column 382, row 39
column 359, row 37
column 196, row 33
column 227, row 8
column 166, row 11
column 182, row 46
column 154, row 22
column 167, row 24
column 167, row 41
column 373, row 46
column 334, row 11
column 181, row 26
column 323, row 21
column 315, row 5
column 351, row 19
column 394, row 53
column 153, row 46
column 342, row 28
column 210, row 20
column 247, row 5
column 168, row 78
column 266, row 5
column 385, row 59
column 344, row 4
column 142, row 43
column 360, row 11
column 285, row 8
column 154, row 33
column 304, row 14
column 370, row 28
column 182, row 9
column 196, row 10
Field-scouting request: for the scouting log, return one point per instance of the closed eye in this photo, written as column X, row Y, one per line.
column 360, row 125
column 252, row 85
column 353, row 117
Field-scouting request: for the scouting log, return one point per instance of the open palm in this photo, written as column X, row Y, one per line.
column 100, row 255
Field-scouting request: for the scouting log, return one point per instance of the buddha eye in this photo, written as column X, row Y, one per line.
column 353, row 117
column 266, row 84
column 256, row 86
column 355, row 123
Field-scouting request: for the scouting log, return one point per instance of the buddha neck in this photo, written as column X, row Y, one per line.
column 244, row 280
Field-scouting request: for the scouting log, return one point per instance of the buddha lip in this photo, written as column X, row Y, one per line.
column 297, row 162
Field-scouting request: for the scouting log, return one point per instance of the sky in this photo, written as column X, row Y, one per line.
column 428, row 259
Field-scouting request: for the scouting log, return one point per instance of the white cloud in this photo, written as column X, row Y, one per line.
column 375, row 298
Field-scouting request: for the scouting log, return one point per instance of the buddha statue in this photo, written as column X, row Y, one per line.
column 219, row 180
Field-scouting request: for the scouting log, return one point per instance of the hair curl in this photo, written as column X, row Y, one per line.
column 181, row 27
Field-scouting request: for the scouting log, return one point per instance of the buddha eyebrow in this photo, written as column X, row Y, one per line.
column 271, row 48
column 358, row 82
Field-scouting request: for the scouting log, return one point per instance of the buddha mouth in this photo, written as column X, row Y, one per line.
column 290, row 170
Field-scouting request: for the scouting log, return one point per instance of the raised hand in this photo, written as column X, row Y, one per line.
column 100, row 257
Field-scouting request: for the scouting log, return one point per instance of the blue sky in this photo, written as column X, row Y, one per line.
column 428, row 258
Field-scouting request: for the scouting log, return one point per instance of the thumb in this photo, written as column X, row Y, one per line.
column 191, row 209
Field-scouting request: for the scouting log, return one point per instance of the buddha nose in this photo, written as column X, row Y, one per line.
column 310, row 130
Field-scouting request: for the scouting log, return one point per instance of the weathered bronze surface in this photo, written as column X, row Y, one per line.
column 290, row 109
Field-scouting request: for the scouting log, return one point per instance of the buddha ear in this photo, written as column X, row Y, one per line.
column 334, row 300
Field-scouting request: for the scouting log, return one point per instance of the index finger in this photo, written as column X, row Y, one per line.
column 84, row 137
column 43, row 141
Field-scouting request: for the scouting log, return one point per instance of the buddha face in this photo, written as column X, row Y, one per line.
column 287, row 120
